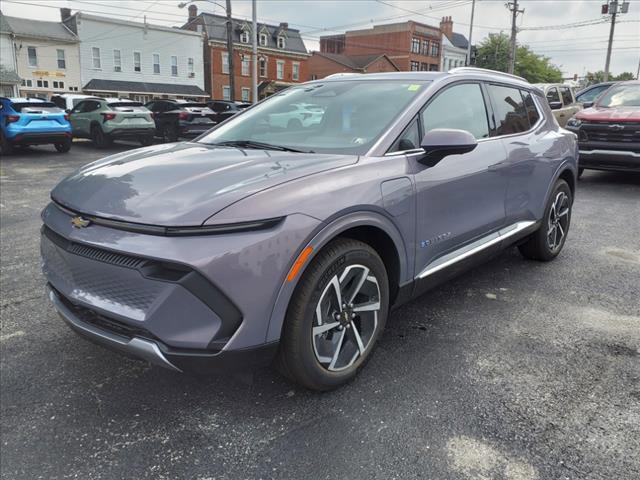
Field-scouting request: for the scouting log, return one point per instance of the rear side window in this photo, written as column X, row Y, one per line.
column 530, row 106
column 509, row 110
column 461, row 107
column 567, row 99
column 552, row 95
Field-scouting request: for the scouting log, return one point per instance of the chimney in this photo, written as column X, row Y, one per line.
column 284, row 25
column 65, row 13
column 446, row 26
column 193, row 12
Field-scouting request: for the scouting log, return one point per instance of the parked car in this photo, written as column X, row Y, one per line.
column 561, row 101
column 67, row 101
column 180, row 118
column 256, row 242
column 226, row 109
column 104, row 120
column 32, row 121
column 609, row 132
column 297, row 116
column 588, row 95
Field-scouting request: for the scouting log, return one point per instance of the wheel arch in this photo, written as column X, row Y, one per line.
column 370, row 227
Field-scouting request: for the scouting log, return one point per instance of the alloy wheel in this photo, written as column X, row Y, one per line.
column 346, row 318
column 558, row 221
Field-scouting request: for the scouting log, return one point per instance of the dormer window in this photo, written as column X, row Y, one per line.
column 244, row 37
column 263, row 39
column 281, row 42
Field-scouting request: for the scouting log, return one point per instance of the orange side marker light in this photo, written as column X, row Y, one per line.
column 297, row 266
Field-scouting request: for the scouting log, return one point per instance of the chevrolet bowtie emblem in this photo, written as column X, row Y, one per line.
column 79, row 222
column 616, row 127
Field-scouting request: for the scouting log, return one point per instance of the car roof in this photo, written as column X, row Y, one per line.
column 75, row 95
column 26, row 100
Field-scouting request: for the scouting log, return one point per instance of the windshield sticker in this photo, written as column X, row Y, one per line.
column 413, row 87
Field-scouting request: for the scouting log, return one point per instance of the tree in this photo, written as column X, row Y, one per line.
column 591, row 78
column 625, row 76
column 493, row 53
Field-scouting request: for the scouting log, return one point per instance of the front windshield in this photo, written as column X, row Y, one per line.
column 621, row 96
column 333, row 117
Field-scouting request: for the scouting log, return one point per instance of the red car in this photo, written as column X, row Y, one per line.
column 609, row 132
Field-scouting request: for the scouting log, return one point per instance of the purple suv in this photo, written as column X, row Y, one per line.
column 266, row 240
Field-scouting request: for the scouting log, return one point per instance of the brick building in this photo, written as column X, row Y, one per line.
column 282, row 56
column 324, row 64
column 409, row 45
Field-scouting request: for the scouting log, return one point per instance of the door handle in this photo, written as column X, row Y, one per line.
column 497, row 166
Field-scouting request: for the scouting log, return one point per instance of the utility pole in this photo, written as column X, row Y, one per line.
column 513, row 8
column 232, row 83
column 612, row 9
column 473, row 8
column 254, row 70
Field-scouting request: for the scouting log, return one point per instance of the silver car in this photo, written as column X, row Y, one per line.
column 256, row 243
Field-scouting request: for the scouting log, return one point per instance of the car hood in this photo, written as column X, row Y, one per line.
column 619, row 114
column 182, row 184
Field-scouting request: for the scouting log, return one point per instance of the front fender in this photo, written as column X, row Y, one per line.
column 326, row 232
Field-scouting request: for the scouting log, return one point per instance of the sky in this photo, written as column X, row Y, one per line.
column 549, row 27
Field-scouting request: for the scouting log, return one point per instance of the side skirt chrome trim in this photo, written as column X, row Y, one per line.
column 139, row 347
column 473, row 248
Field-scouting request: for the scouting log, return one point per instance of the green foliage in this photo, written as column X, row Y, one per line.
column 625, row 76
column 591, row 78
column 493, row 53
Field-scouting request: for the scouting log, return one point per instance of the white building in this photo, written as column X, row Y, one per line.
column 137, row 60
column 9, row 79
column 45, row 54
column 454, row 47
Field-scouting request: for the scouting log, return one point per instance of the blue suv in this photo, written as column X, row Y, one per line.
column 33, row 121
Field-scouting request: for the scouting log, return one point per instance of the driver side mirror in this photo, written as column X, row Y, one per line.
column 442, row 142
column 587, row 104
column 555, row 105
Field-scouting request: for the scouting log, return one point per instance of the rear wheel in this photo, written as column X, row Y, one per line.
column 169, row 133
column 64, row 146
column 335, row 317
column 5, row 145
column 146, row 140
column 580, row 172
column 99, row 139
column 547, row 242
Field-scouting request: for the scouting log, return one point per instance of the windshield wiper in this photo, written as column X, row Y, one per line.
column 258, row 145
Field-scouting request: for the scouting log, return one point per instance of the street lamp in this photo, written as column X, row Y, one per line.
column 232, row 83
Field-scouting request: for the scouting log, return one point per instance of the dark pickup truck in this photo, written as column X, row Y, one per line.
column 609, row 132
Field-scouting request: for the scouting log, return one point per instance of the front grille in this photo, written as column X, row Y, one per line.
column 105, row 323
column 93, row 253
column 622, row 133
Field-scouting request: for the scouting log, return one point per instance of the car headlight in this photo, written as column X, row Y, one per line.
column 574, row 122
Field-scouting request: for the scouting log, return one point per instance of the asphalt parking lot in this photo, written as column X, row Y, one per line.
column 515, row 371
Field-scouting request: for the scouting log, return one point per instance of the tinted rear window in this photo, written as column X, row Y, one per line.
column 128, row 107
column 566, row 95
column 197, row 105
column 510, row 112
column 32, row 107
column 532, row 110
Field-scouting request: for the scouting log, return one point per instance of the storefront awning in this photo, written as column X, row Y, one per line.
column 98, row 85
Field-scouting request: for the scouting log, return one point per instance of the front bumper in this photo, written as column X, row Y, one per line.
column 603, row 159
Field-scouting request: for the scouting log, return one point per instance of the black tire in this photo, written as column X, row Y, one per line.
column 146, row 140
column 546, row 243
column 64, row 146
column 98, row 137
column 298, row 356
column 580, row 172
column 169, row 133
column 6, row 148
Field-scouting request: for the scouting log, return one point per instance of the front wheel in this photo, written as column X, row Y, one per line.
column 335, row 317
column 547, row 242
column 64, row 146
column 6, row 147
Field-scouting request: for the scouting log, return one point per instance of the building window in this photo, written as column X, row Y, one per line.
column 295, row 74
column 246, row 65
column 136, row 62
column 27, row 83
column 424, row 67
column 190, row 69
column 226, row 92
column 95, row 55
column 314, row 76
column 244, row 37
column 156, row 63
column 263, row 67
column 415, row 45
column 62, row 62
column 425, row 47
column 117, row 61
column 435, row 49
column 174, row 66
column 225, row 62
column 33, row 56
column 433, row 68
column 58, row 84
column 263, row 39
column 281, row 42
column 280, row 69
column 246, row 94
column 415, row 66
column 42, row 83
